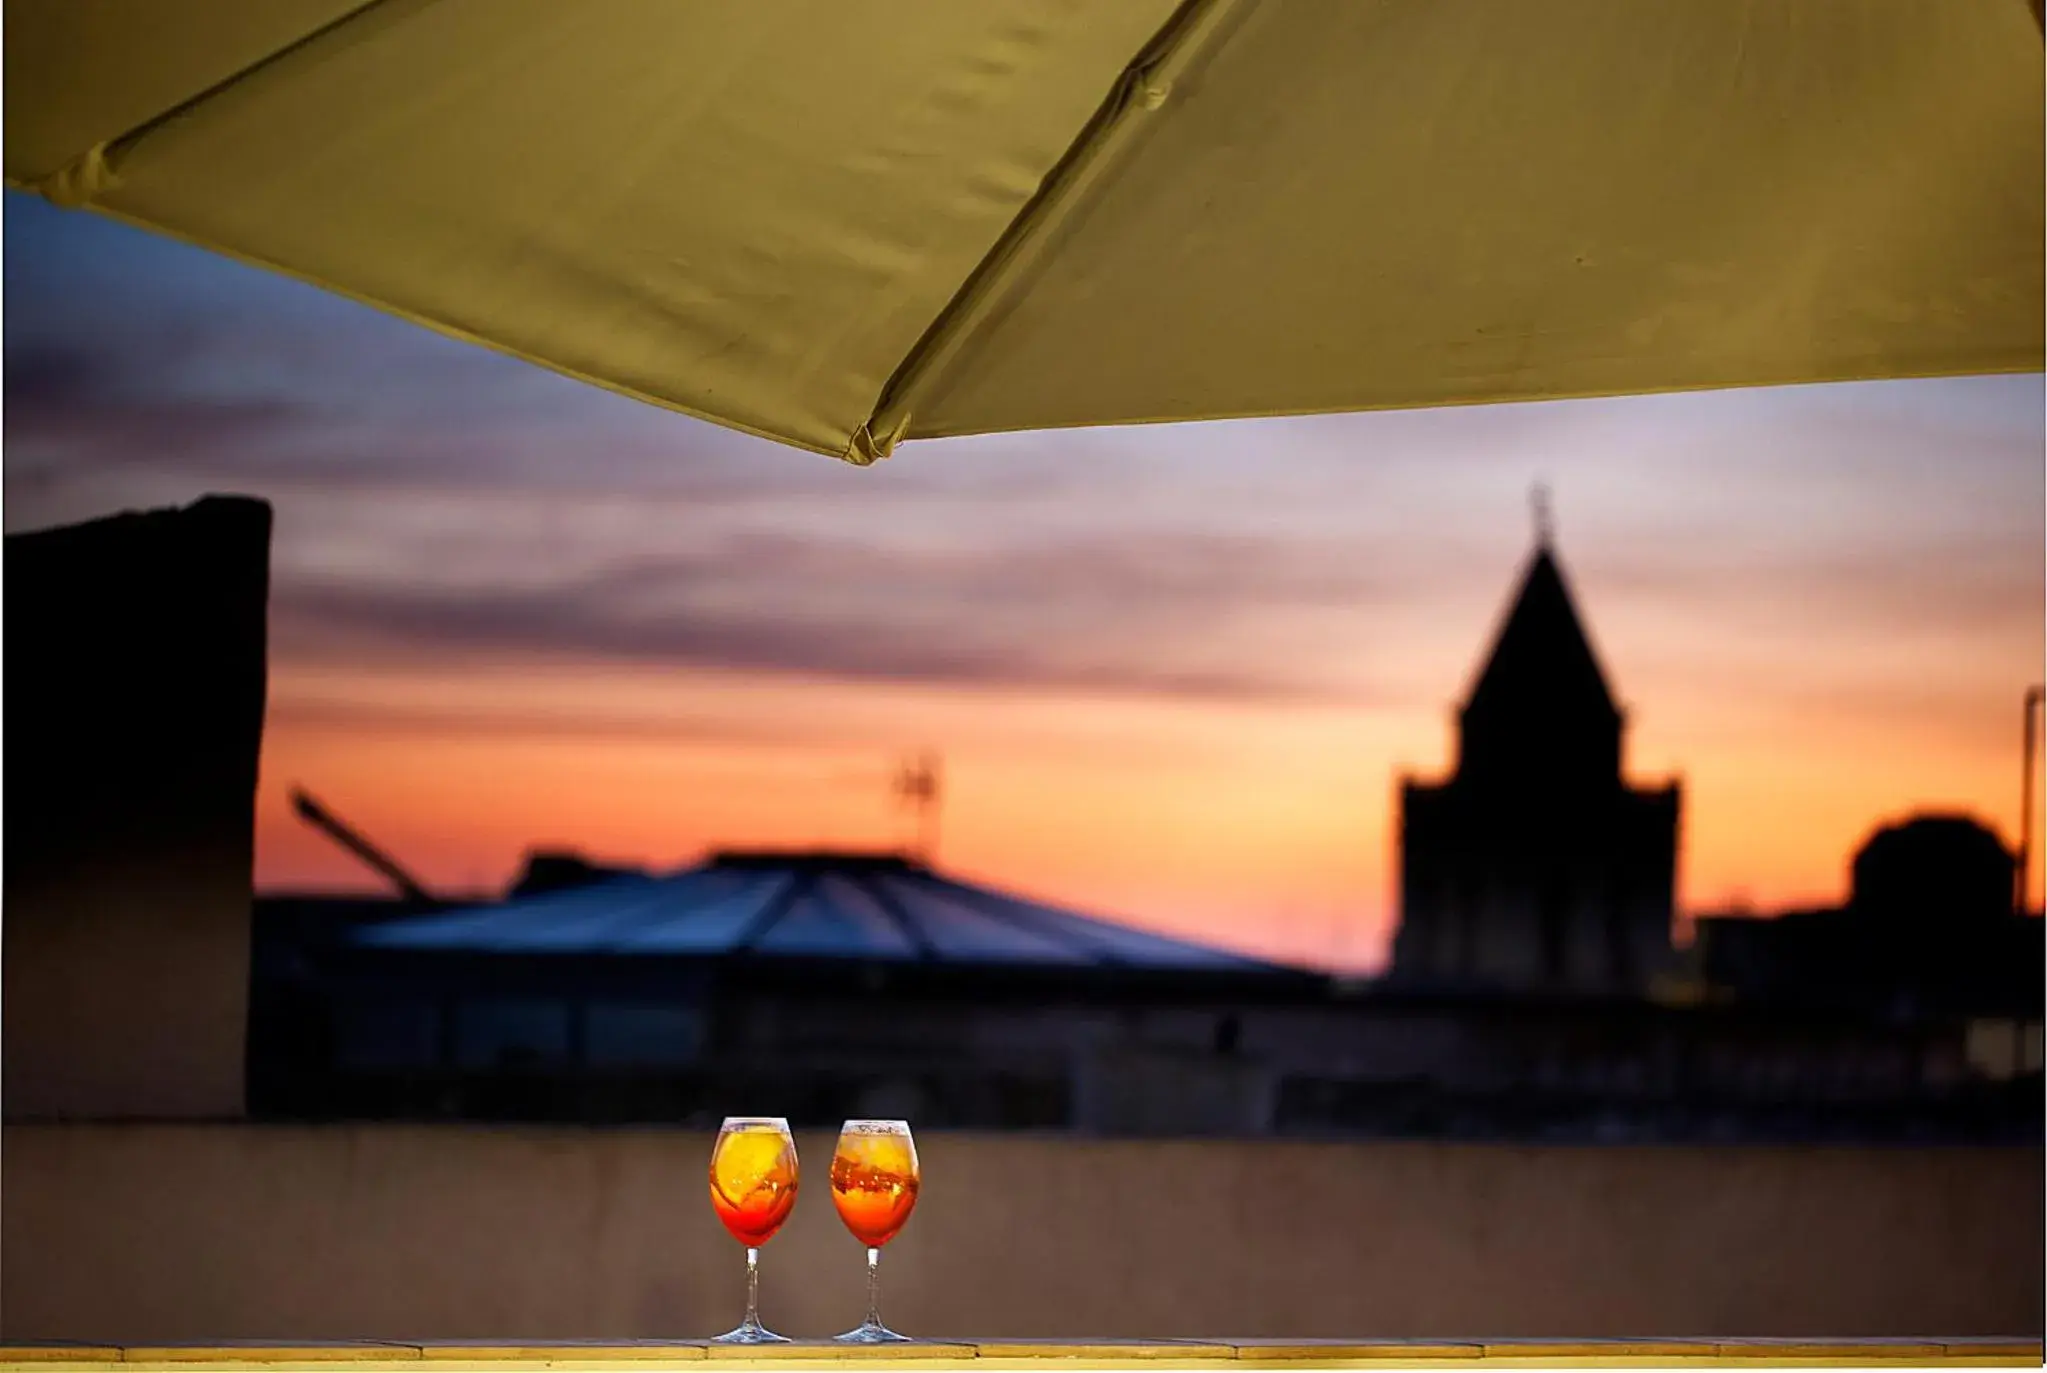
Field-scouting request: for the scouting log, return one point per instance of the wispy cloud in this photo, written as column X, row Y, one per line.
column 1157, row 614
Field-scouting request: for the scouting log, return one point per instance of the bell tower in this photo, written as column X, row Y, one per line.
column 1535, row 865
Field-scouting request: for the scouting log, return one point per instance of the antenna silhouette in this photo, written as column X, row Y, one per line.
column 2022, row 878
column 1538, row 506
column 917, row 788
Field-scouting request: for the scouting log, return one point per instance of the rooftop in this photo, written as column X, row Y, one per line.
column 857, row 905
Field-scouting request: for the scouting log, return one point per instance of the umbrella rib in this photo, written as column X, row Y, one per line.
column 91, row 169
column 1142, row 87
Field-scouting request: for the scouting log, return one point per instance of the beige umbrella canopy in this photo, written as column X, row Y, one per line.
column 843, row 223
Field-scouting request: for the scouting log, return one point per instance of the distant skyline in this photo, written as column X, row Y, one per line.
column 1174, row 672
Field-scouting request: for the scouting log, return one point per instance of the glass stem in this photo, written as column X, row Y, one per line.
column 753, row 1288
column 873, row 1288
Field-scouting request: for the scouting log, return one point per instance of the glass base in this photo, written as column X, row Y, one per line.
column 750, row 1332
column 872, row 1332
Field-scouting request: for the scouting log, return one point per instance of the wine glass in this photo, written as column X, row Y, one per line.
column 753, row 1189
column 874, row 1187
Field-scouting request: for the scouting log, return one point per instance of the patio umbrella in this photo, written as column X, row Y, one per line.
column 844, row 223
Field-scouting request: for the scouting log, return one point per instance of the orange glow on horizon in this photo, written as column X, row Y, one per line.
column 1267, row 827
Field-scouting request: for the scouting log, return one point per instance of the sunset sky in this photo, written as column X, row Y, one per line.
column 1174, row 672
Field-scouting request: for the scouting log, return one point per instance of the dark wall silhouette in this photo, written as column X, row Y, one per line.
column 134, row 713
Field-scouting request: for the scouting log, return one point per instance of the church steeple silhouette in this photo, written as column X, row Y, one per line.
column 1540, row 710
column 1535, row 865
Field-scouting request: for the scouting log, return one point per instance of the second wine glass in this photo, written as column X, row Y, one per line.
column 874, row 1186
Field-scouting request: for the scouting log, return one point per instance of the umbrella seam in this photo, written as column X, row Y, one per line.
column 94, row 169
column 1142, row 87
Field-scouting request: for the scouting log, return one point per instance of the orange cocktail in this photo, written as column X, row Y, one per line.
column 753, row 1179
column 874, row 1183
column 753, row 1189
column 874, row 1187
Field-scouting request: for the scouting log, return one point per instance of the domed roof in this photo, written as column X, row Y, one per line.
column 802, row 904
column 1933, row 866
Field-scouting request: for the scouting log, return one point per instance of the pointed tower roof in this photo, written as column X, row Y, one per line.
column 1542, row 662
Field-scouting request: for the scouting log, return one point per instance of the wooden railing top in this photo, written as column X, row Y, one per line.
column 1067, row 1356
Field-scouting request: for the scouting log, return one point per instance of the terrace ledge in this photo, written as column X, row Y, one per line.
column 1055, row 1356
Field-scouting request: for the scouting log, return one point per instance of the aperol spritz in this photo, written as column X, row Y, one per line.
column 874, row 1186
column 753, row 1189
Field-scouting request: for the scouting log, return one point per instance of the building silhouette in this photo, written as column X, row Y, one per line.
column 814, row 985
column 1936, row 874
column 1535, row 866
column 821, row 986
column 1927, row 930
